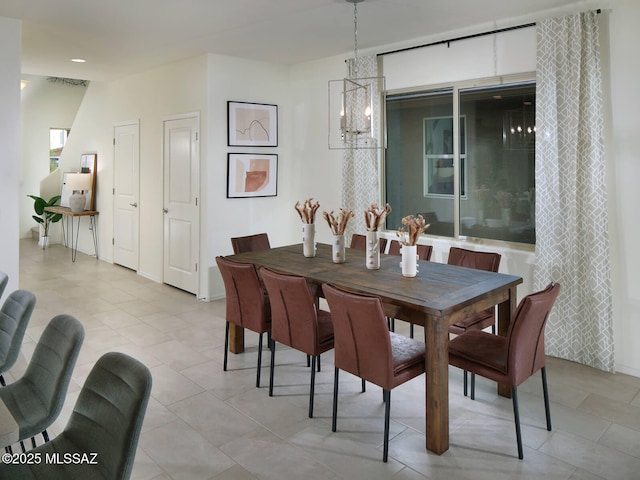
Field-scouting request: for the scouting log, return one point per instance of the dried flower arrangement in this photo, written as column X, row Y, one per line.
column 338, row 225
column 505, row 199
column 374, row 216
column 411, row 229
column 307, row 210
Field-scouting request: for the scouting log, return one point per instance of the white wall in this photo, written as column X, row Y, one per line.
column 623, row 161
column 149, row 97
column 9, row 139
column 44, row 105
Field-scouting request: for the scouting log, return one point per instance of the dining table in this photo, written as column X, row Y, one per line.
column 438, row 296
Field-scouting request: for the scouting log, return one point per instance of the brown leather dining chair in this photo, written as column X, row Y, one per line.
column 247, row 304
column 512, row 359
column 359, row 242
column 489, row 262
column 297, row 322
column 365, row 347
column 250, row 243
column 424, row 253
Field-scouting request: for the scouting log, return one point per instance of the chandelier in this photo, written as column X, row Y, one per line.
column 354, row 104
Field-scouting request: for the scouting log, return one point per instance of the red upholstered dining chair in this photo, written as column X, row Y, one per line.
column 512, row 359
column 424, row 253
column 490, row 262
column 247, row 304
column 297, row 322
column 359, row 242
column 365, row 347
column 250, row 243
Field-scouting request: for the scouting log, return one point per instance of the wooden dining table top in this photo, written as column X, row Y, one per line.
column 438, row 290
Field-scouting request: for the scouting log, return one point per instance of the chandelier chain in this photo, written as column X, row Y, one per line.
column 355, row 39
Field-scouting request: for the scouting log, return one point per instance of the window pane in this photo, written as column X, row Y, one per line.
column 419, row 159
column 500, row 135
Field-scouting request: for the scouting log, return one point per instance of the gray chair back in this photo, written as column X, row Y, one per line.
column 106, row 420
column 4, row 279
column 36, row 399
column 14, row 317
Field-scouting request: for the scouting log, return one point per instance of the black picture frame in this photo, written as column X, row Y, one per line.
column 252, row 124
column 252, row 175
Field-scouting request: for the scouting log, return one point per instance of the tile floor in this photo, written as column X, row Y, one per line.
column 203, row 423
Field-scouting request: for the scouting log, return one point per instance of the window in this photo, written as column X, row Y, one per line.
column 57, row 139
column 474, row 180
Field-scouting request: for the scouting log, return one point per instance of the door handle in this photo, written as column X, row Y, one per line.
column 134, row 205
column 164, row 210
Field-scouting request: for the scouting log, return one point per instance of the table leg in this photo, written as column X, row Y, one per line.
column 74, row 242
column 236, row 338
column 505, row 312
column 437, row 385
column 93, row 227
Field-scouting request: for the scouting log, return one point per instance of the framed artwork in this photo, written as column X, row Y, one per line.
column 252, row 124
column 252, row 175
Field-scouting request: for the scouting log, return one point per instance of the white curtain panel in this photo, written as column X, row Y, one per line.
column 360, row 167
column 572, row 243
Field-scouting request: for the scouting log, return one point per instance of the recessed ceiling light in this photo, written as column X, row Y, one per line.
column 78, row 60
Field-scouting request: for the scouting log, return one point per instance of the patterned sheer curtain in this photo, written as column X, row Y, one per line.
column 572, row 245
column 360, row 167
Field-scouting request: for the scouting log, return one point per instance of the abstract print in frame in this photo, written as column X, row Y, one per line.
column 252, row 124
column 252, row 175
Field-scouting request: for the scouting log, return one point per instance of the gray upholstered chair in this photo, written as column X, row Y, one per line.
column 106, row 420
column 14, row 317
column 4, row 279
column 36, row 399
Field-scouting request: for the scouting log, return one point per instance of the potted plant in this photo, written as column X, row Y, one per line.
column 45, row 218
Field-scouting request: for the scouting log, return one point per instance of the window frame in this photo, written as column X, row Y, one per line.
column 455, row 87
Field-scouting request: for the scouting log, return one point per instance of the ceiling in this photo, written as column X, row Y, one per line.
column 122, row 37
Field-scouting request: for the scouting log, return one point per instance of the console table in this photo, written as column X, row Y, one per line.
column 69, row 234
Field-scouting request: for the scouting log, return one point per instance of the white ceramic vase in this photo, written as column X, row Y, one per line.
column 309, row 239
column 409, row 262
column 338, row 249
column 373, row 251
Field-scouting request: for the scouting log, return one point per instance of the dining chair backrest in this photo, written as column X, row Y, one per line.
column 293, row 310
column 250, row 243
column 36, row 399
column 525, row 337
column 461, row 257
column 246, row 301
column 105, row 422
column 359, row 242
column 4, row 279
column 14, row 317
column 361, row 338
column 424, row 251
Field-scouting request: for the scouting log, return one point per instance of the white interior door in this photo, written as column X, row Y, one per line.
column 181, row 190
column 126, row 193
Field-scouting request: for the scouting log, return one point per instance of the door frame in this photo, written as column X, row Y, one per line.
column 202, row 287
